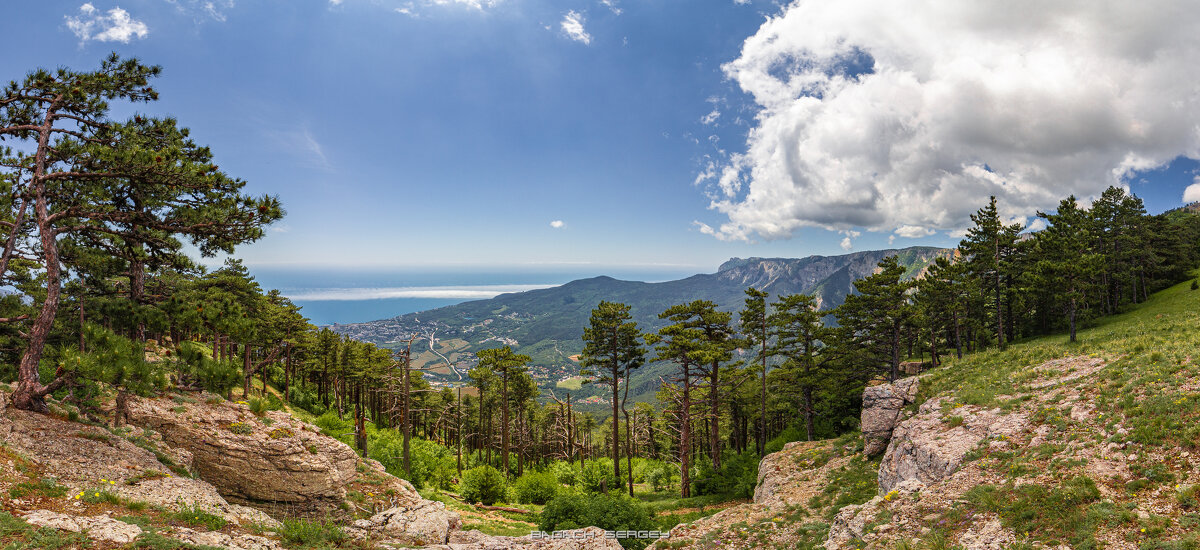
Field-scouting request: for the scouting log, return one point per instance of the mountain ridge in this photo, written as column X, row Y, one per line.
column 547, row 324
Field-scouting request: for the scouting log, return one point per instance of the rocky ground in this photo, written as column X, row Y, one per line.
column 1042, row 468
column 197, row 471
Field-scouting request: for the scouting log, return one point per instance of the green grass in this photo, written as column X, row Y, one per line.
column 1069, row 512
column 99, row 496
column 574, row 383
column 15, row 534
column 194, row 516
column 306, row 534
column 150, row 540
column 1146, row 346
column 854, row 483
column 500, row 528
column 1152, row 351
column 45, row 487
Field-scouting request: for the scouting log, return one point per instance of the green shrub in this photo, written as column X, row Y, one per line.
column 1189, row 498
column 241, row 428
column 195, row 516
column 483, row 484
column 311, row 534
column 737, row 476
column 663, row 476
column 640, row 467
column 1195, row 284
column 430, row 463
column 536, row 487
column 565, row 472
column 596, row 476
column 613, row 512
column 790, row 434
column 443, row 476
column 258, row 406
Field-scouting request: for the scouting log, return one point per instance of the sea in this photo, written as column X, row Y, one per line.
column 339, row 296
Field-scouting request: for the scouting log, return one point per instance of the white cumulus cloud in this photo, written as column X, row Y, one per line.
column 847, row 241
column 558, row 224
column 913, row 231
column 572, row 24
column 612, row 6
column 883, row 115
column 1192, row 193
column 114, row 26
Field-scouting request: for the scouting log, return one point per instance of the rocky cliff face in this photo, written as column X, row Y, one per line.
column 273, row 458
column 881, row 409
column 829, row 278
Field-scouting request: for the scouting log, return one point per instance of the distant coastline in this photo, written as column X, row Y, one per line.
column 333, row 296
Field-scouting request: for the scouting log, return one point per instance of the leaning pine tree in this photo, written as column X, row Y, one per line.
column 80, row 163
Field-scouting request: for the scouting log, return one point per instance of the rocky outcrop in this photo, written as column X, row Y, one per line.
column 911, row 368
column 851, row 522
column 133, row 465
column 218, row 539
column 424, row 523
column 590, row 538
column 929, row 447
column 273, row 458
column 101, row 528
column 77, row 454
column 171, row 492
column 786, row 478
column 882, row 406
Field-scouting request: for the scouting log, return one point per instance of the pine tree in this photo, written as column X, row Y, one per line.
column 798, row 333
column 612, row 352
column 82, row 162
column 989, row 247
column 506, row 365
column 715, row 345
column 755, row 327
column 1065, row 263
column 875, row 317
column 940, row 298
column 680, row 344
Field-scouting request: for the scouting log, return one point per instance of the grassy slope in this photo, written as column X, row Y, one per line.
column 1147, row 402
column 1154, row 349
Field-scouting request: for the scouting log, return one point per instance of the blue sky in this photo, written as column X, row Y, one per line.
column 667, row 134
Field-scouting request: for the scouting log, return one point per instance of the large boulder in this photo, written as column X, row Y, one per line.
column 882, row 406
column 588, row 538
column 97, row 527
column 273, row 458
column 421, row 524
column 926, row 449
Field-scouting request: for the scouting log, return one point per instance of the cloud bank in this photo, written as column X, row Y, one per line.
column 115, row 26
column 479, row 292
column 904, row 117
